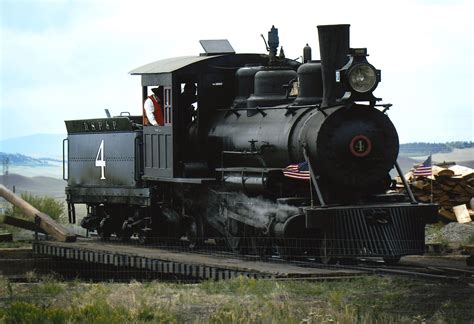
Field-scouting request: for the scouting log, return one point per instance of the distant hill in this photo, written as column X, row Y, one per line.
column 20, row 159
column 38, row 145
column 38, row 186
column 422, row 148
column 459, row 156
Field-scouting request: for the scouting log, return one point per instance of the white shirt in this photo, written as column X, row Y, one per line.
column 149, row 110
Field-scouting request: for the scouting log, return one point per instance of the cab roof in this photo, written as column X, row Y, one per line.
column 170, row 65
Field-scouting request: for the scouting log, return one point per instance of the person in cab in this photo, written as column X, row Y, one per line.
column 153, row 109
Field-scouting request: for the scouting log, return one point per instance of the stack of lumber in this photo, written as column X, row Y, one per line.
column 450, row 186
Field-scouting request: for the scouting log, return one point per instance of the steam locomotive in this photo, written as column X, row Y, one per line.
column 270, row 156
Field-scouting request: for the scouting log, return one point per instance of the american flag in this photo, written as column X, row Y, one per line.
column 297, row 171
column 424, row 169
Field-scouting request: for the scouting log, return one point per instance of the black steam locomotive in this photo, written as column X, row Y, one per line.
column 269, row 156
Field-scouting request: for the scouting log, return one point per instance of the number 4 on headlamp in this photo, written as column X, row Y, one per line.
column 359, row 77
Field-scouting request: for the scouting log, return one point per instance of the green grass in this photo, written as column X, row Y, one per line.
column 47, row 205
column 23, row 312
column 15, row 244
column 433, row 231
column 241, row 300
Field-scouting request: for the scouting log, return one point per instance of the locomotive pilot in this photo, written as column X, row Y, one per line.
column 153, row 111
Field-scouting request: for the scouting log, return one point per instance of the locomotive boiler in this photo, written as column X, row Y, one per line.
column 269, row 156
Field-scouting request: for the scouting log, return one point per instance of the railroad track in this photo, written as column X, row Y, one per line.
column 159, row 263
column 180, row 263
column 371, row 267
column 421, row 272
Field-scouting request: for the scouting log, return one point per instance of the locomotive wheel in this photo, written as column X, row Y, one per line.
column 290, row 250
column 252, row 246
column 196, row 234
column 233, row 243
column 144, row 237
column 296, row 248
column 125, row 233
column 103, row 235
column 246, row 245
column 125, row 236
column 104, row 230
column 392, row 260
column 259, row 246
column 348, row 261
column 284, row 252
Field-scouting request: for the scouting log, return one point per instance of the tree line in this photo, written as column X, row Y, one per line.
column 423, row 148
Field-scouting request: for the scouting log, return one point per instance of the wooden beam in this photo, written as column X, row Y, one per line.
column 21, row 223
column 6, row 237
column 41, row 219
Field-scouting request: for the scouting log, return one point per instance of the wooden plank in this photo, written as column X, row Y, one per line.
column 16, row 253
column 6, row 237
column 462, row 215
column 469, row 248
column 210, row 264
column 462, row 172
column 447, row 214
column 443, row 172
column 41, row 219
column 18, row 222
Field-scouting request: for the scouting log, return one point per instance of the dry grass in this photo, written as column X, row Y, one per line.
column 240, row 300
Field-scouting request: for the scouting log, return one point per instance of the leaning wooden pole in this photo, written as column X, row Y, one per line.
column 43, row 221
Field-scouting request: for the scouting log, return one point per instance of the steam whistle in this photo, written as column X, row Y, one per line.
column 272, row 45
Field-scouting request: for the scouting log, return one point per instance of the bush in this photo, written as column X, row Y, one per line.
column 47, row 205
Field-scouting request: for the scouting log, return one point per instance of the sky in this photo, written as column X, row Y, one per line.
column 66, row 59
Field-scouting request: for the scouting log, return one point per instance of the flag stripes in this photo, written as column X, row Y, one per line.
column 297, row 171
column 424, row 170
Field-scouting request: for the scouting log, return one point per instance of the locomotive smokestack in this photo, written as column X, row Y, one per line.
column 333, row 48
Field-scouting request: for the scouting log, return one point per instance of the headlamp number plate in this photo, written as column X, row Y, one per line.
column 360, row 146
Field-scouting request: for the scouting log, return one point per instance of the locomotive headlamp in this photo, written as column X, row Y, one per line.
column 362, row 77
column 359, row 76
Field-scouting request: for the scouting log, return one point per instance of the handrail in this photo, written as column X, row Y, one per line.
column 64, row 161
column 405, row 183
